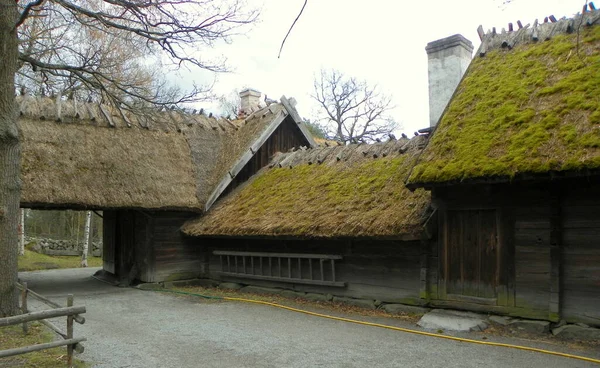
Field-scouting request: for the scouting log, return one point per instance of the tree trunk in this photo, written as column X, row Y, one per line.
column 22, row 233
column 86, row 239
column 10, row 160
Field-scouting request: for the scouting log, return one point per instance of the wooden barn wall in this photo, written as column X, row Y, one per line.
column 381, row 270
column 580, row 296
column 284, row 138
column 553, row 243
column 523, row 231
column 175, row 257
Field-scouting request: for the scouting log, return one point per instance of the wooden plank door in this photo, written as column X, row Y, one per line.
column 471, row 256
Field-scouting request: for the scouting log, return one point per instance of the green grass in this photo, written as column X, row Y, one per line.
column 13, row 337
column 33, row 261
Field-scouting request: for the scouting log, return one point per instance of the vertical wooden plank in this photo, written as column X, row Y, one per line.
column 489, row 248
column 70, row 332
column 289, row 262
column 310, row 271
column 333, row 270
column 109, row 241
column 554, row 312
column 322, row 271
column 300, row 268
column 424, row 262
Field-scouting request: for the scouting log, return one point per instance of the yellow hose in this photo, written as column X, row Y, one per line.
column 565, row 355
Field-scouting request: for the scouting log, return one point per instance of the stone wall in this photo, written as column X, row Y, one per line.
column 56, row 247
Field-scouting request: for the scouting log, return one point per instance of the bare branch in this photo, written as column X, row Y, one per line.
column 290, row 30
column 353, row 110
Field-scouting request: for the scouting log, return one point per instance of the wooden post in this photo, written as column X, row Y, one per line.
column 70, row 332
column 24, row 306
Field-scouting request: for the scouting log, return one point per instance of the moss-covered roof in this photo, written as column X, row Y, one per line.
column 340, row 191
column 531, row 109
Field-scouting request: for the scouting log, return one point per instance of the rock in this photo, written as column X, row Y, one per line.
column 501, row 320
column 558, row 324
column 149, row 286
column 293, row 294
column 260, row 290
column 439, row 319
column 362, row 303
column 195, row 282
column 318, row 297
column 582, row 324
column 539, row 327
column 230, row 285
column 577, row 332
column 404, row 309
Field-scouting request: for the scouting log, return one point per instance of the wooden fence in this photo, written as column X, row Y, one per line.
column 71, row 312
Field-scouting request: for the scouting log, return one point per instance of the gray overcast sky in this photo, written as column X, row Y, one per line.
column 382, row 41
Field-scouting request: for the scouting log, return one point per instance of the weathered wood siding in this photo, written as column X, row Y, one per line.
column 372, row 269
column 284, row 138
column 552, row 240
column 109, row 241
column 581, row 254
column 174, row 256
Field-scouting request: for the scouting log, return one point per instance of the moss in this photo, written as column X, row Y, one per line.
column 360, row 196
column 530, row 109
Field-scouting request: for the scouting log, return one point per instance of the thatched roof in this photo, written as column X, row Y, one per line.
column 82, row 155
column 339, row 191
column 529, row 104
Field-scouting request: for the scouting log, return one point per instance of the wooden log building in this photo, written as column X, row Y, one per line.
column 497, row 210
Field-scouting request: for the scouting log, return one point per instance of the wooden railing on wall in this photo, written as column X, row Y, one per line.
column 71, row 312
column 312, row 269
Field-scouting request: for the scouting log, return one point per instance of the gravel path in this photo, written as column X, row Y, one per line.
column 132, row 328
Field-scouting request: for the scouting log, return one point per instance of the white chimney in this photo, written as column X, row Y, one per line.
column 249, row 101
column 448, row 61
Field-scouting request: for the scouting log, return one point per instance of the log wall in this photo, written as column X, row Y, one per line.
column 381, row 270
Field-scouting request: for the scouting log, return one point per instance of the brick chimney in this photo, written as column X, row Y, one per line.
column 448, row 61
column 249, row 101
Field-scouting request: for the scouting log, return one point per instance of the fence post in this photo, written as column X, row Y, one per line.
column 69, row 332
column 24, row 306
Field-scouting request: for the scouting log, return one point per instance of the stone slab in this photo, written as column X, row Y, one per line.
column 230, row 285
column 501, row 320
column 194, row 282
column 149, row 286
column 577, row 332
column 260, row 290
column 404, row 309
column 293, row 294
column 362, row 303
column 318, row 297
column 440, row 319
column 539, row 327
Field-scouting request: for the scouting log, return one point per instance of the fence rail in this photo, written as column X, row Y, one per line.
column 299, row 268
column 71, row 312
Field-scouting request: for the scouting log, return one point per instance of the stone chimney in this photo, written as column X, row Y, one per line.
column 249, row 101
column 448, row 61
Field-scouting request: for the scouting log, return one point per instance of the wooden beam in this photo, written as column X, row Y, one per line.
column 78, row 319
column 32, row 348
column 34, row 316
column 243, row 160
column 284, row 279
column 284, row 255
column 298, row 120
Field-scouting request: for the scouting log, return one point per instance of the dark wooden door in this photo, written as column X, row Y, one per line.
column 471, row 255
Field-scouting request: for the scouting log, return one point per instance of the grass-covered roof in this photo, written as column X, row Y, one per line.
column 82, row 155
column 340, row 191
column 526, row 110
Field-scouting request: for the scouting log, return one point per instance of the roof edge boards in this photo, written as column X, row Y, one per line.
column 243, row 160
column 298, row 120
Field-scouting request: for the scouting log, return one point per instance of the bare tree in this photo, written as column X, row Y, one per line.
column 170, row 28
column 350, row 109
